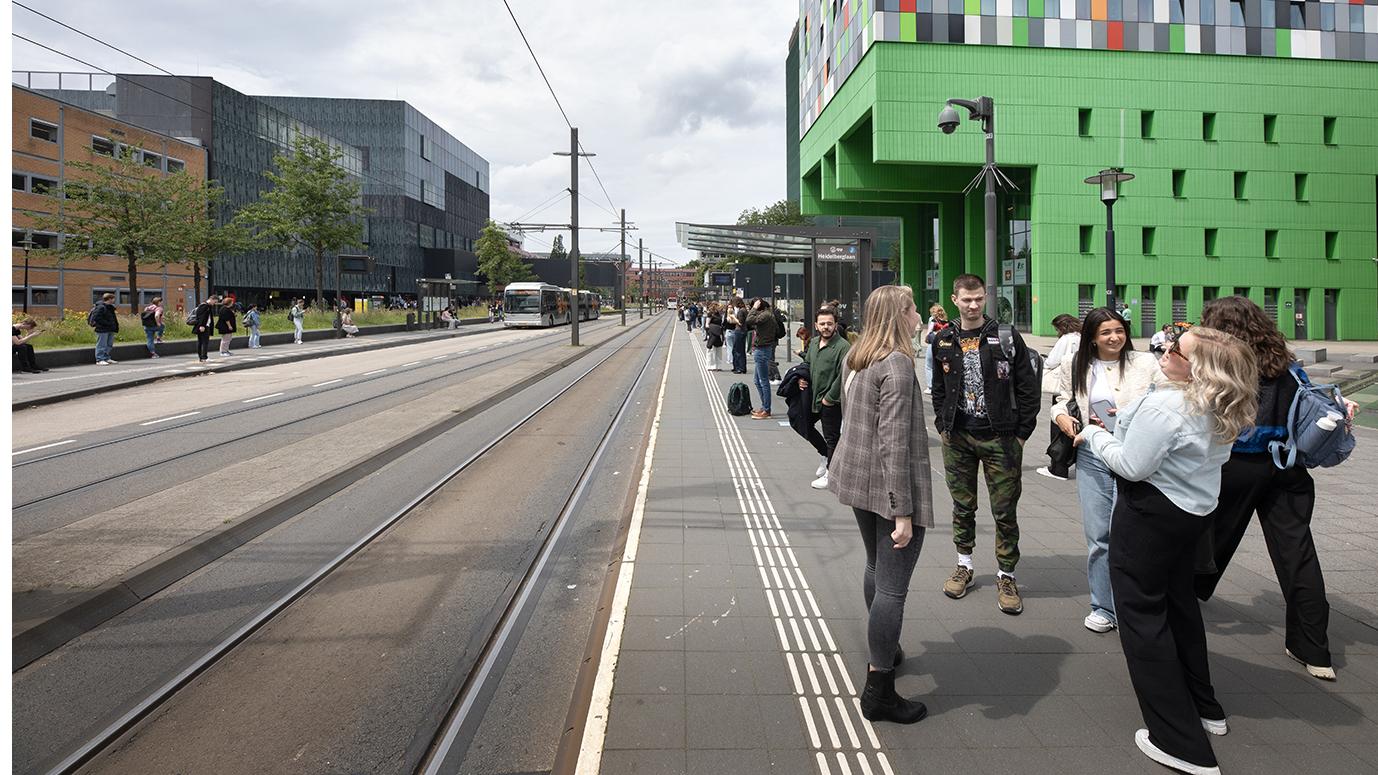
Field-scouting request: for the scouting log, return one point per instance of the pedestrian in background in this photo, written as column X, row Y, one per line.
column 226, row 325
column 738, row 320
column 347, row 323
column 985, row 405
column 1283, row 499
column 937, row 321
column 1106, row 375
column 713, row 331
column 152, row 320
column 106, row 323
column 24, row 358
column 252, row 322
column 881, row 470
column 203, row 323
column 825, row 355
column 761, row 321
column 297, row 314
column 1166, row 453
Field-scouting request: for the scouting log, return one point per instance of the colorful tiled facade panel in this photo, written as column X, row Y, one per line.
column 835, row 34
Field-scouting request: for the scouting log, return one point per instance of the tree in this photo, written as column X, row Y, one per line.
column 782, row 213
column 313, row 205
column 118, row 209
column 557, row 250
column 191, row 202
column 496, row 261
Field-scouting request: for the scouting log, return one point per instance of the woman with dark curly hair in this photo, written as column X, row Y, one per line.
column 1284, row 499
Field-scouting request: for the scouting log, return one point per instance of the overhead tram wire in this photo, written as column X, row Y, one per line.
column 540, row 208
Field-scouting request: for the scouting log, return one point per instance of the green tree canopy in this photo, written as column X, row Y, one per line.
column 496, row 261
column 557, row 250
column 781, row 213
column 201, row 240
column 313, row 205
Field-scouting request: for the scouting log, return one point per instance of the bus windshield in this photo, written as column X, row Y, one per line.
column 522, row 301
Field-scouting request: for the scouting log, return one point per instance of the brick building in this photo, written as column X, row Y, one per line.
column 47, row 135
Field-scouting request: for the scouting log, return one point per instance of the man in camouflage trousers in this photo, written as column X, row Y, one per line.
column 985, row 406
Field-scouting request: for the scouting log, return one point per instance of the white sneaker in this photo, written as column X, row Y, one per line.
column 1098, row 622
column 1168, row 760
column 1215, row 726
column 822, row 467
column 1323, row 673
column 104, row 363
column 1044, row 470
column 111, row 360
column 821, row 483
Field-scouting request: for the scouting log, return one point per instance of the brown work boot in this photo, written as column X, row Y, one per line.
column 1007, row 595
column 956, row 585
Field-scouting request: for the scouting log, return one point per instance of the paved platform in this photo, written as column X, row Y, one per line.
column 64, row 383
column 744, row 642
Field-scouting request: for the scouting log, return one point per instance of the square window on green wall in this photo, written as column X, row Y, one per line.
column 1270, row 129
column 1299, row 185
column 1208, row 127
column 1150, row 236
column 1084, row 239
column 1146, row 124
column 1332, row 245
column 1179, row 183
column 1212, row 243
column 1240, row 178
column 1328, row 130
column 1270, row 243
column 1084, row 122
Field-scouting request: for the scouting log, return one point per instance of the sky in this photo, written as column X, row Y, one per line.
column 683, row 103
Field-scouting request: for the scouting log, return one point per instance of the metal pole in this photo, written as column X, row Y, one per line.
column 622, row 264
column 1110, row 255
column 992, row 267
column 27, row 292
column 574, row 236
column 641, row 279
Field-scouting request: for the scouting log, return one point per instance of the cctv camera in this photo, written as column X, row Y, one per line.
column 948, row 120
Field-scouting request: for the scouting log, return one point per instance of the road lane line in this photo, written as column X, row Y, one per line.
column 329, row 382
column 45, row 446
column 405, row 365
column 260, row 398
column 375, row 371
column 438, row 357
column 165, row 419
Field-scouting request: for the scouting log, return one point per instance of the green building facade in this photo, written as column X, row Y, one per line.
column 1256, row 169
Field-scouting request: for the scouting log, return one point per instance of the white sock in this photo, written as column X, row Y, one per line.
column 1006, row 575
column 964, row 560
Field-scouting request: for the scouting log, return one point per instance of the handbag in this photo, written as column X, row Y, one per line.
column 1062, row 453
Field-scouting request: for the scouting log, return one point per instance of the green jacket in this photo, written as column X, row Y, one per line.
column 825, row 369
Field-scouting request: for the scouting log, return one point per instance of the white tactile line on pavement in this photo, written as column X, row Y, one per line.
column 600, row 703
column 785, row 584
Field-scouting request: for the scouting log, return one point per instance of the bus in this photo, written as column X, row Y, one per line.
column 671, row 303
column 590, row 305
column 534, row 305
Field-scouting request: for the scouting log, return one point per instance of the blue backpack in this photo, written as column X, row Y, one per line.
column 1318, row 433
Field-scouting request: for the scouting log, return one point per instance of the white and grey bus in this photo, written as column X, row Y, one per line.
column 534, row 305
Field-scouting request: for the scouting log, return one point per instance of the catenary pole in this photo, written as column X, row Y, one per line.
column 622, row 264
column 574, row 236
column 641, row 279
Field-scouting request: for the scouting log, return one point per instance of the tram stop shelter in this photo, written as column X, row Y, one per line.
column 836, row 261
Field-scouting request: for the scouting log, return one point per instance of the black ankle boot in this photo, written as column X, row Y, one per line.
column 880, row 702
column 899, row 656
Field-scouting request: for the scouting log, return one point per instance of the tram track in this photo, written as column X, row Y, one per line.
column 504, row 624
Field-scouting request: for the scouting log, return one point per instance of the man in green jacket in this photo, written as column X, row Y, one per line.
column 826, row 355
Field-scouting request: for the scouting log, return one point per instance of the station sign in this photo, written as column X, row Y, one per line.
column 835, row 252
column 356, row 264
column 720, row 278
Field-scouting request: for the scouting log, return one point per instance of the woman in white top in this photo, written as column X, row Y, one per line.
column 937, row 320
column 1167, row 451
column 1106, row 373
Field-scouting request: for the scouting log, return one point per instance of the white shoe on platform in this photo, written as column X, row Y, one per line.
column 822, row 467
column 1168, row 760
column 821, row 483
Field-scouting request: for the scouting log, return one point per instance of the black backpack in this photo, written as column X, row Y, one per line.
column 149, row 318
column 1007, row 345
column 739, row 399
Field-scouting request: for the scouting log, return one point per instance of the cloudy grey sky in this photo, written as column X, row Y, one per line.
column 682, row 102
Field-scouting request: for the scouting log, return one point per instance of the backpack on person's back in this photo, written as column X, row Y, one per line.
column 1318, row 430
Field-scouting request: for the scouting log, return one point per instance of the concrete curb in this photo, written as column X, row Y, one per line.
column 140, row 583
column 237, row 365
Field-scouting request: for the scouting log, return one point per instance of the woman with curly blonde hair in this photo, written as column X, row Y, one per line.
column 1166, row 454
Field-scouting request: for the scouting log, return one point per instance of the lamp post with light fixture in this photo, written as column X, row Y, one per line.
column 1109, row 181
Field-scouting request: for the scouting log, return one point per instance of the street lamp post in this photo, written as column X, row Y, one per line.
column 1109, row 181
column 28, row 244
column 982, row 108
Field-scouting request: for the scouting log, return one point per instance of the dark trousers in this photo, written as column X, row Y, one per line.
column 203, row 343
column 885, row 584
column 1161, row 632
column 739, row 352
column 24, row 359
column 826, row 443
column 1284, row 501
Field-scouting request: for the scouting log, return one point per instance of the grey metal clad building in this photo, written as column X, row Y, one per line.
column 429, row 192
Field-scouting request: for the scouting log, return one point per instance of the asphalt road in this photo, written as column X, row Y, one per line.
column 409, row 623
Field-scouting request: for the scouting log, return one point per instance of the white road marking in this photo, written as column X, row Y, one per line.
column 328, row 382
column 260, row 398
column 375, row 371
column 405, row 365
column 45, row 446
column 438, row 357
column 166, row 419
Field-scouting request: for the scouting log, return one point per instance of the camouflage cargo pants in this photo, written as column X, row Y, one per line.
column 1001, row 457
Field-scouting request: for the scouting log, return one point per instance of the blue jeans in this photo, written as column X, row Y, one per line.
column 151, row 335
column 104, row 343
column 928, row 367
column 761, row 355
column 1096, row 491
column 253, row 336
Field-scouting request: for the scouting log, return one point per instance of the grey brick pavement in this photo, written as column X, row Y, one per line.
column 702, row 683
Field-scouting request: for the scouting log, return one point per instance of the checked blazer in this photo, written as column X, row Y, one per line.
column 881, row 462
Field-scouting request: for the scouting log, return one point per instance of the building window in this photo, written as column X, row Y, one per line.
column 1240, row 178
column 1084, row 122
column 1332, row 245
column 1149, row 237
column 1299, row 187
column 1212, row 243
column 1146, row 124
column 146, row 297
column 45, row 296
column 1208, row 127
column 42, row 240
column 1270, row 243
column 1270, row 128
column 1270, row 303
column 21, row 182
column 42, row 130
column 102, row 146
column 43, row 186
column 1179, row 183
column 153, row 160
column 1179, row 303
column 1328, row 130
column 1084, row 239
column 175, row 165
column 425, row 149
column 1298, row 15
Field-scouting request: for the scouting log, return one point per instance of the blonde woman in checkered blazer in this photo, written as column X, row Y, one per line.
column 881, row 470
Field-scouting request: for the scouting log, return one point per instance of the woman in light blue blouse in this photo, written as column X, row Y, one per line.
column 1166, row 453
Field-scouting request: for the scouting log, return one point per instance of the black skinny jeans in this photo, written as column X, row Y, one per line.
column 203, row 343
column 1284, row 501
column 826, row 442
column 885, row 584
